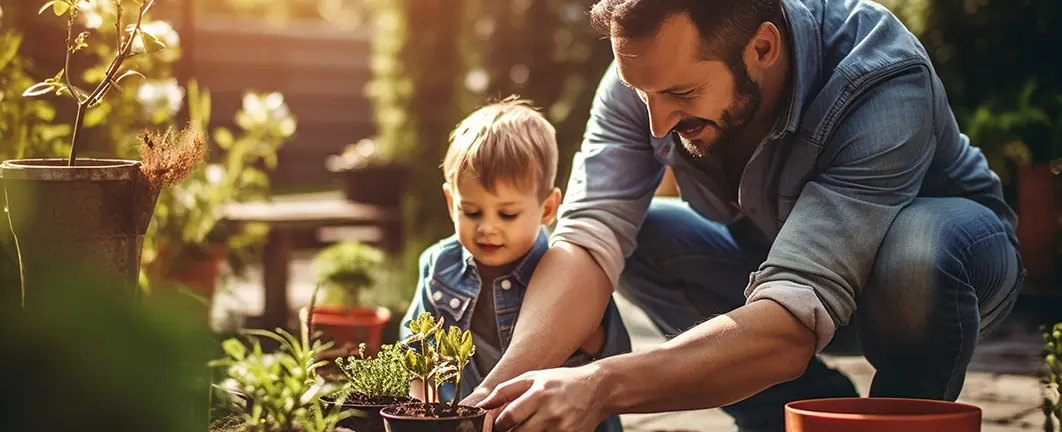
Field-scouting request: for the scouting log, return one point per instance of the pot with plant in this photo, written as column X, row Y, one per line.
column 435, row 357
column 369, row 176
column 373, row 384
column 86, row 213
column 347, row 270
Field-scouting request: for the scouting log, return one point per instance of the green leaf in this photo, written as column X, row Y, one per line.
column 234, row 348
column 8, row 50
column 40, row 89
column 52, row 4
column 151, row 43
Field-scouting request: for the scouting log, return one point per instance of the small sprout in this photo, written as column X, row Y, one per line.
column 441, row 357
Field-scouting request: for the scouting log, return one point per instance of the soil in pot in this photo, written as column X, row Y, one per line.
column 367, row 418
column 880, row 415
column 436, row 417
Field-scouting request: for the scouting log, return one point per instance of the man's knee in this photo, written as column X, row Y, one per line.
column 938, row 253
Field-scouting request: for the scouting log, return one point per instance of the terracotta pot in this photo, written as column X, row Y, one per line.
column 396, row 422
column 348, row 327
column 1039, row 210
column 199, row 270
column 89, row 219
column 880, row 415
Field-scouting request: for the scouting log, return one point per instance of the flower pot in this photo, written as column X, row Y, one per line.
column 89, row 219
column 348, row 327
column 382, row 185
column 415, row 417
column 880, row 414
column 366, row 417
column 1039, row 208
column 199, row 269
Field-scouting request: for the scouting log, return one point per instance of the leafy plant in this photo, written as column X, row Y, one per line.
column 1052, row 377
column 133, row 41
column 381, row 376
column 437, row 357
column 349, row 267
column 279, row 391
column 188, row 218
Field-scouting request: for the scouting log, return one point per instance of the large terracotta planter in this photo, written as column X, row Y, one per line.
column 880, row 415
column 87, row 220
column 1039, row 209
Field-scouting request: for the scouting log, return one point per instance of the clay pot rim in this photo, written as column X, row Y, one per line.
column 818, row 408
column 337, row 315
column 385, row 414
column 55, row 169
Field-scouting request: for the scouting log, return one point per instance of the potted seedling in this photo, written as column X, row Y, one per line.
column 92, row 213
column 372, row 384
column 280, row 391
column 346, row 270
column 435, row 357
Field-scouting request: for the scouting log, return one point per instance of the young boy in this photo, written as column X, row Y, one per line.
column 499, row 174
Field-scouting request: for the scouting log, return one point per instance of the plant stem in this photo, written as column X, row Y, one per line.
column 101, row 89
column 77, row 132
column 457, row 391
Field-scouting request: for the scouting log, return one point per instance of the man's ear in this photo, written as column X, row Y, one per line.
column 764, row 49
column 448, row 192
column 550, row 207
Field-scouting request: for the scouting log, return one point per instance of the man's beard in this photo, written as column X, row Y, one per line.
column 736, row 116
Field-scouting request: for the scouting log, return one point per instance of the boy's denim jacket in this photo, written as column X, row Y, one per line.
column 448, row 288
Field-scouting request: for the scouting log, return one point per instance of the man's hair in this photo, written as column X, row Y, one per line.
column 504, row 141
column 725, row 26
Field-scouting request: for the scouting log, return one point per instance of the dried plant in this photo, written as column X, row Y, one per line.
column 168, row 158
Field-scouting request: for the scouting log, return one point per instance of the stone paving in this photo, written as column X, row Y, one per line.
column 1001, row 380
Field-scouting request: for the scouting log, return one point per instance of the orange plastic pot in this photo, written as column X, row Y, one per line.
column 880, row 415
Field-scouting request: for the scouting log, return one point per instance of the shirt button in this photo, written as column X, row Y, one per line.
column 437, row 296
column 506, row 285
column 454, row 303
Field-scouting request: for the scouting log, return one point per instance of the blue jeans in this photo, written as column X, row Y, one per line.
column 945, row 274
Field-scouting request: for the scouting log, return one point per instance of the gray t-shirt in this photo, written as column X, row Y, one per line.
column 484, row 328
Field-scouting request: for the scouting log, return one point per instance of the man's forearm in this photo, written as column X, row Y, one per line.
column 717, row 363
column 564, row 304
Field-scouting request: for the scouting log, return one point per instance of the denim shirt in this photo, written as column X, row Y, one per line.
column 449, row 286
column 867, row 129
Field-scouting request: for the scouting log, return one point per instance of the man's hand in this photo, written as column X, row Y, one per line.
column 564, row 399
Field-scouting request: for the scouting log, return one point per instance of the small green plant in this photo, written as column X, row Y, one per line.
column 278, row 391
column 133, row 41
column 349, row 268
column 379, row 377
column 1052, row 377
column 437, row 357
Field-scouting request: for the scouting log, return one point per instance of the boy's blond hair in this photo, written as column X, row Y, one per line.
column 504, row 141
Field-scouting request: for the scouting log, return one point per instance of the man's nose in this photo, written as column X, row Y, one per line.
column 662, row 116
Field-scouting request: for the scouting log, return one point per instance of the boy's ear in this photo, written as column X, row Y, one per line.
column 553, row 201
column 448, row 192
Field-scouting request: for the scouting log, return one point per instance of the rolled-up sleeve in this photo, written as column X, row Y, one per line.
column 614, row 175
column 874, row 165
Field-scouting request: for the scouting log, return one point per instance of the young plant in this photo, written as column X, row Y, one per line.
column 381, row 377
column 456, row 348
column 438, row 357
column 131, row 42
column 278, row 391
column 1052, row 352
column 422, row 359
column 350, row 267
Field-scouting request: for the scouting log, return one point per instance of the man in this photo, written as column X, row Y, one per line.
column 828, row 193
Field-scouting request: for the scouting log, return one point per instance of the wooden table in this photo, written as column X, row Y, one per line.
column 291, row 214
